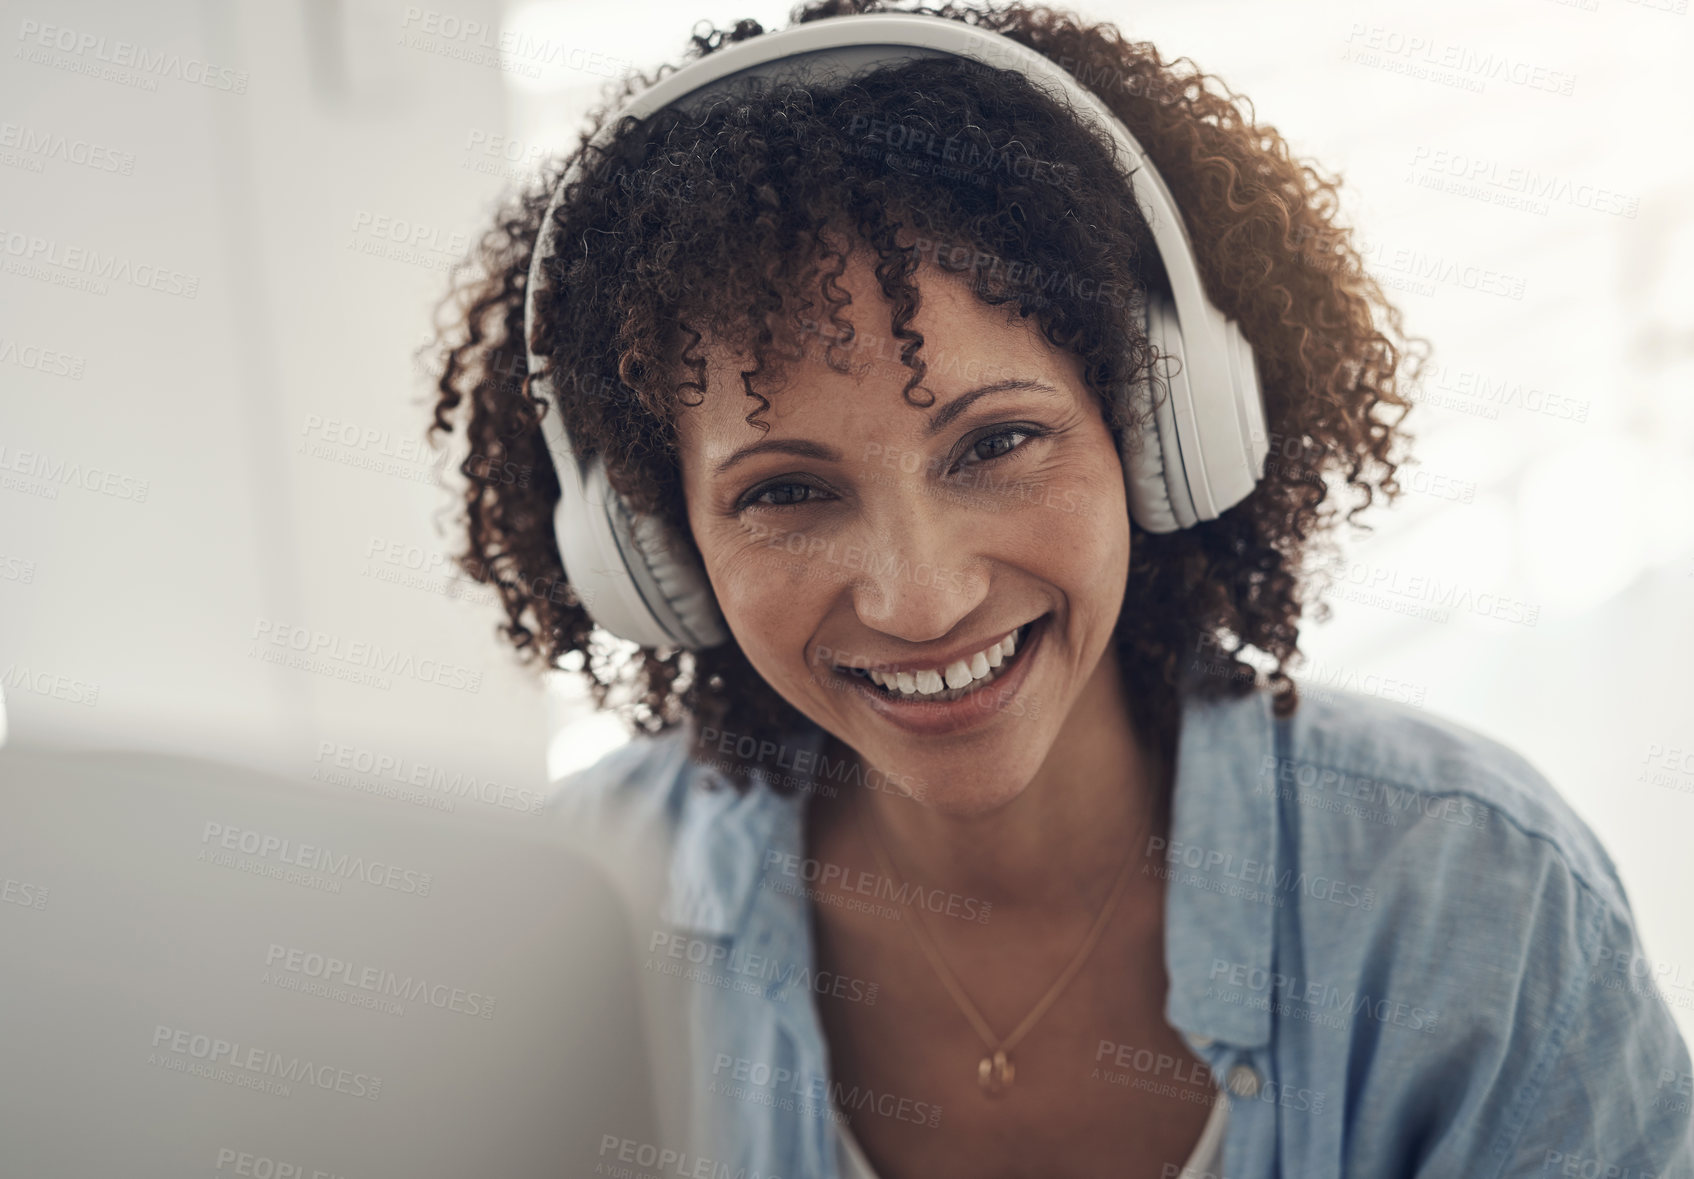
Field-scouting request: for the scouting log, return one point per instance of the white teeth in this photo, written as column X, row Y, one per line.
column 961, row 673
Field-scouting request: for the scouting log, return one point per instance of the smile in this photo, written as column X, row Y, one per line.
column 958, row 679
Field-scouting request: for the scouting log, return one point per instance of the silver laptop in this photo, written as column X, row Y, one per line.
column 206, row 971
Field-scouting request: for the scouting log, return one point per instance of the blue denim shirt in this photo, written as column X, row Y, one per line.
column 1397, row 949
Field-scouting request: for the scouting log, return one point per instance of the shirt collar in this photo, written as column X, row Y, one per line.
column 722, row 839
column 725, row 836
column 1220, row 862
column 1220, row 866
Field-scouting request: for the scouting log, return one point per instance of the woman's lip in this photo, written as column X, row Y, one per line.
column 932, row 718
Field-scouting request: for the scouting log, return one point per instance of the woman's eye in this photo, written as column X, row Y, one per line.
column 784, row 492
column 998, row 445
column 986, row 449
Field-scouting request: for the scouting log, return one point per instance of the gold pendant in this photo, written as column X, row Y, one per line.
column 994, row 1073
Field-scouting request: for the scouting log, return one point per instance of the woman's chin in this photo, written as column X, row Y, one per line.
column 971, row 802
column 948, row 784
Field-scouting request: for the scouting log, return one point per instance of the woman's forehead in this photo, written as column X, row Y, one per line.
column 965, row 342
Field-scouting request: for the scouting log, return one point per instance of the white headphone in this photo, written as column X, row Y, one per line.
column 642, row 584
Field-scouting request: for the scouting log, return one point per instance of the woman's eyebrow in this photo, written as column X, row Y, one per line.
column 963, row 401
column 937, row 422
column 799, row 446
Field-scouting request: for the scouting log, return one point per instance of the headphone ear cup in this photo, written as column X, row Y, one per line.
column 673, row 584
column 1159, row 499
column 632, row 573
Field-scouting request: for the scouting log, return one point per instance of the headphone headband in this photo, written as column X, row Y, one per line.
column 1211, row 428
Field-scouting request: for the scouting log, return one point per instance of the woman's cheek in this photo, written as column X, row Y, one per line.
column 762, row 581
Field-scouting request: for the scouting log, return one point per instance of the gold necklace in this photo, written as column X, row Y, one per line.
column 994, row 1072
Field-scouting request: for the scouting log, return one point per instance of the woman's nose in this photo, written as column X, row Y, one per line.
column 924, row 564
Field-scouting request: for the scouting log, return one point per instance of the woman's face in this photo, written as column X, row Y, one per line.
column 863, row 531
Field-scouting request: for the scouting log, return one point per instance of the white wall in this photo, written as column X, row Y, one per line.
column 275, row 416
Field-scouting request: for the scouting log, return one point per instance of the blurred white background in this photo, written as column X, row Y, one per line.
column 219, row 443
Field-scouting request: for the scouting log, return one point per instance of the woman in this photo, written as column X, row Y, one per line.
column 1003, row 859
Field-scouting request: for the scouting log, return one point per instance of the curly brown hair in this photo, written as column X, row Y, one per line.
column 714, row 223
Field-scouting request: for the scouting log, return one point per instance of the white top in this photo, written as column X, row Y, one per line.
column 1205, row 1160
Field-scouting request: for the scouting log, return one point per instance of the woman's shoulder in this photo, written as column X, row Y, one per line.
column 1496, row 938
column 676, row 830
column 1376, row 775
column 653, row 789
column 638, row 787
column 1391, row 819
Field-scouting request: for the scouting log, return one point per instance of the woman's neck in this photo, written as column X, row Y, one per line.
column 1100, row 794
